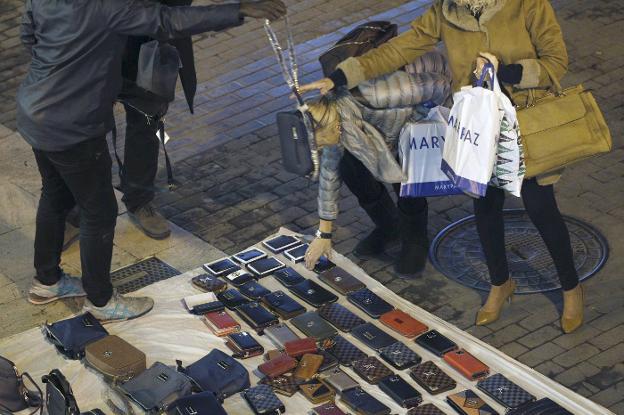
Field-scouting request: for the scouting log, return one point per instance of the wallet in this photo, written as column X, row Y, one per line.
column 221, row 323
column 265, row 266
column 436, row 343
column 373, row 336
column 543, row 406
column 426, row 409
column 363, row 403
column 238, row 277
column 371, row 370
column 469, row 403
column 403, row 323
column 232, row 298
column 280, row 334
column 340, row 316
column 329, row 361
column 284, row 385
column 400, row 391
column 313, row 294
column 272, row 354
column 253, row 290
column 297, row 348
column 243, row 345
column 209, row 283
column 202, row 309
column 399, row 356
column 288, row 277
column 281, row 243
column 278, row 366
column 312, row 325
column 317, row 391
column 283, row 305
column 258, row 317
column 195, row 301
column 339, row 380
column 369, row 302
column 263, row 401
column 466, row 364
column 432, row 378
column 341, row 281
column 504, row 391
column 345, row 351
column 327, row 409
column 221, row 267
column 308, row 367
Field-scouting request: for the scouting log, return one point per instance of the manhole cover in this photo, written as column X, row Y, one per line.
column 142, row 274
column 456, row 252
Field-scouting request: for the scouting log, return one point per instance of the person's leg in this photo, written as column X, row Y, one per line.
column 413, row 220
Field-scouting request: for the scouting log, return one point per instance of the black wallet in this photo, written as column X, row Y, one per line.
column 312, row 325
column 288, row 277
column 363, row 403
column 369, row 302
column 373, row 336
column 263, row 401
column 543, row 406
column 244, row 345
column 399, row 356
column 340, row 316
column 345, row 351
column 313, row 294
column 400, row 391
column 329, row 361
column 253, row 290
column 257, row 316
column 504, row 391
column 232, row 298
column 323, row 265
column 282, row 304
column 436, row 343
column 238, row 277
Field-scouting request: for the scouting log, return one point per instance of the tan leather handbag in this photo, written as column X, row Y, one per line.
column 115, row 358
column 561, row 128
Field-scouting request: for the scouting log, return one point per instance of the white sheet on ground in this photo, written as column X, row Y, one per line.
column 169, row 332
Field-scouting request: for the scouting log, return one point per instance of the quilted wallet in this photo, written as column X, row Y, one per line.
column 504, row 391
column 345, row 351
column 263, row 400
column 432, row 378
column 371, row 370
column 340, row 316
column 399, row 356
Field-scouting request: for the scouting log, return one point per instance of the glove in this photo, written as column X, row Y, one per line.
column 263, row 9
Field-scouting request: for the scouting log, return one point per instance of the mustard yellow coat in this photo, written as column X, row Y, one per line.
column 525, row 32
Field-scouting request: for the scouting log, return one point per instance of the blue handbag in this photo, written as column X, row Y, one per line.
column 204, row 403
column 71, row 336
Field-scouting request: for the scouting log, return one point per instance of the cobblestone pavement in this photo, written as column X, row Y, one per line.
column 235, row 192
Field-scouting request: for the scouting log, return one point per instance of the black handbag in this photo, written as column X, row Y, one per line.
column 158, row 67
column 293, row 135
column 14, row 395
column 72, row 335
column 60, row 398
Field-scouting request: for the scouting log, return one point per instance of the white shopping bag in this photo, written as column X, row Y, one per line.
column 471, row 139
column 420, row 152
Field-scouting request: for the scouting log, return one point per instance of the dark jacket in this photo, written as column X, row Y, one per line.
column 77, row 45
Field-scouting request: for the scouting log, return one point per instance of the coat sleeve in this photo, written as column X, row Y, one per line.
column 422, row 37
column 329, row 182
column 550, row 48
column 147, row 18
column 27, row 27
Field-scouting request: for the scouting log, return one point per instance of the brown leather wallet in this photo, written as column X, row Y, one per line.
column 308, row 366
column 297, row 348
column 371, row 370
column 466, row 364
column 317, row 391
column 403, row 323
column 341, row 281
column 278, row 366
column 432, row 378
column 272, row 354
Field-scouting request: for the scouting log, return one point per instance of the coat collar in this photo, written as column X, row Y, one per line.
column 462, row 18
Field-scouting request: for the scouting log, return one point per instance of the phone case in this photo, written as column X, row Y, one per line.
column 400, row 391
column 308, row 367
column 263, row 401
column 373, row 336
column 313, row 294
column 327, row 409
column 436, row 343
column 288, row 277
column 249, row 255
column 371, row 370
column 202, row 309
column 466, row 364
column 253, row 290
column 432, row 378
column 345, row 351
column 265, row 266
column 312, row 325
column 339, row 380
column 341, row 281
column 403, row 323
column 329, row 361
column 282, row 304
column 369, row 302
column 232, row 298
column 243, row 345
column 340, row 316
column 316, row 391
column 297, row 253
column 297, row 348
column 426, row 409
column 399, row 356
column 469, row 403
column 281, row 243
column 221, row 267
column 278, row 366
column 280, row 334
column 363, row 403
column 209, row 283
column 323, row 264
column 221, row 323
column 284, row 385
column 258, row 317
column 504, row 391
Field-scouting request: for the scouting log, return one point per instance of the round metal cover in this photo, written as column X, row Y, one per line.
column 456, row 252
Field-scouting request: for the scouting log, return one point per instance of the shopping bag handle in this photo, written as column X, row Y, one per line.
column 488, row 69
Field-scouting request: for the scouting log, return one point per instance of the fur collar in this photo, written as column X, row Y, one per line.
column 462, row 18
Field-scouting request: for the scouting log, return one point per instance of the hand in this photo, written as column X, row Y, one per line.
column 263, row 9
column 324, row 85
column 317, row 249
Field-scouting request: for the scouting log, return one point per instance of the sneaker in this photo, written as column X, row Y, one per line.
column 120, row 308
column 150, row 221
column 72, row 234
column 66, row 287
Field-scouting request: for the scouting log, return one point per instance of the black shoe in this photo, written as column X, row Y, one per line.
column 376, row 243
column 385, row 215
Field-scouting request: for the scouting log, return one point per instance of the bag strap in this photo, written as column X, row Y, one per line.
column 170, row 181
column 121, row 172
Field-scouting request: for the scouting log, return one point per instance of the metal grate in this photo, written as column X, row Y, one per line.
column 456, row 252
column 143, row 273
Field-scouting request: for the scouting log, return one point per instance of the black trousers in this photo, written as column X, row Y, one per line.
column 540, row 203
column 80, row 175
column 140, row 160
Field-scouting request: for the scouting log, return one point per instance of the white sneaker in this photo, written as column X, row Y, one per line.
column 66, row 287
column 120, row 308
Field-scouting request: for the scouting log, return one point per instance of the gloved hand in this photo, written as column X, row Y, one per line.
column 263, row 9
column 316, row 250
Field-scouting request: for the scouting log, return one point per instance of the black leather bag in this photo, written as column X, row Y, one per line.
column 158, row 68
column 60, row 399
column 72, row 335
column 204, row 403
column 14, row 395
column 293, row 135
column 360, row 40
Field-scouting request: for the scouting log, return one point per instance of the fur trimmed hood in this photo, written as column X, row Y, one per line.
column 461, row 16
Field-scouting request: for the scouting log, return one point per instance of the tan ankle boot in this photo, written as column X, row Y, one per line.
column 573, row 304
column 490, row 312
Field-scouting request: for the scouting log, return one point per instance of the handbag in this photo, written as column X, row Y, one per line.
column 72, row 335
column 158, row 67
column 204, row 403
column 60, row 398
column 563, row 127
column 115, row 358
column 14, row 395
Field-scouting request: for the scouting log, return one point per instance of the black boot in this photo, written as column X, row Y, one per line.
column 384, row 214
column 414, row 244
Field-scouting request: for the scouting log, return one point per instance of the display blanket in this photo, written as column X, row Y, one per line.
column 169, row 332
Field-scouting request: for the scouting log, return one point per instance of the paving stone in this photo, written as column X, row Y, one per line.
column 576, row 355
column 541, row 354
column 514, row 349
column 609, row 338
column 506, row 335
column 540, row 336
column 610, row 357
column 576, row 374
column 550, row 369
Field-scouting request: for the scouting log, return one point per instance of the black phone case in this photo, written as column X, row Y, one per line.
column 373, row 336
column 313, row 294
column 436, row 343
column 363, row 403
column 345, row 351
column 232, row 298
column 369, row 302
column 399, row 356
column 400, row 391
column 245, row 343
column 504, row 391
column 253, row 290
column 288, row 277
column 257, row 316
column 283, row 304
column 312, row 325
